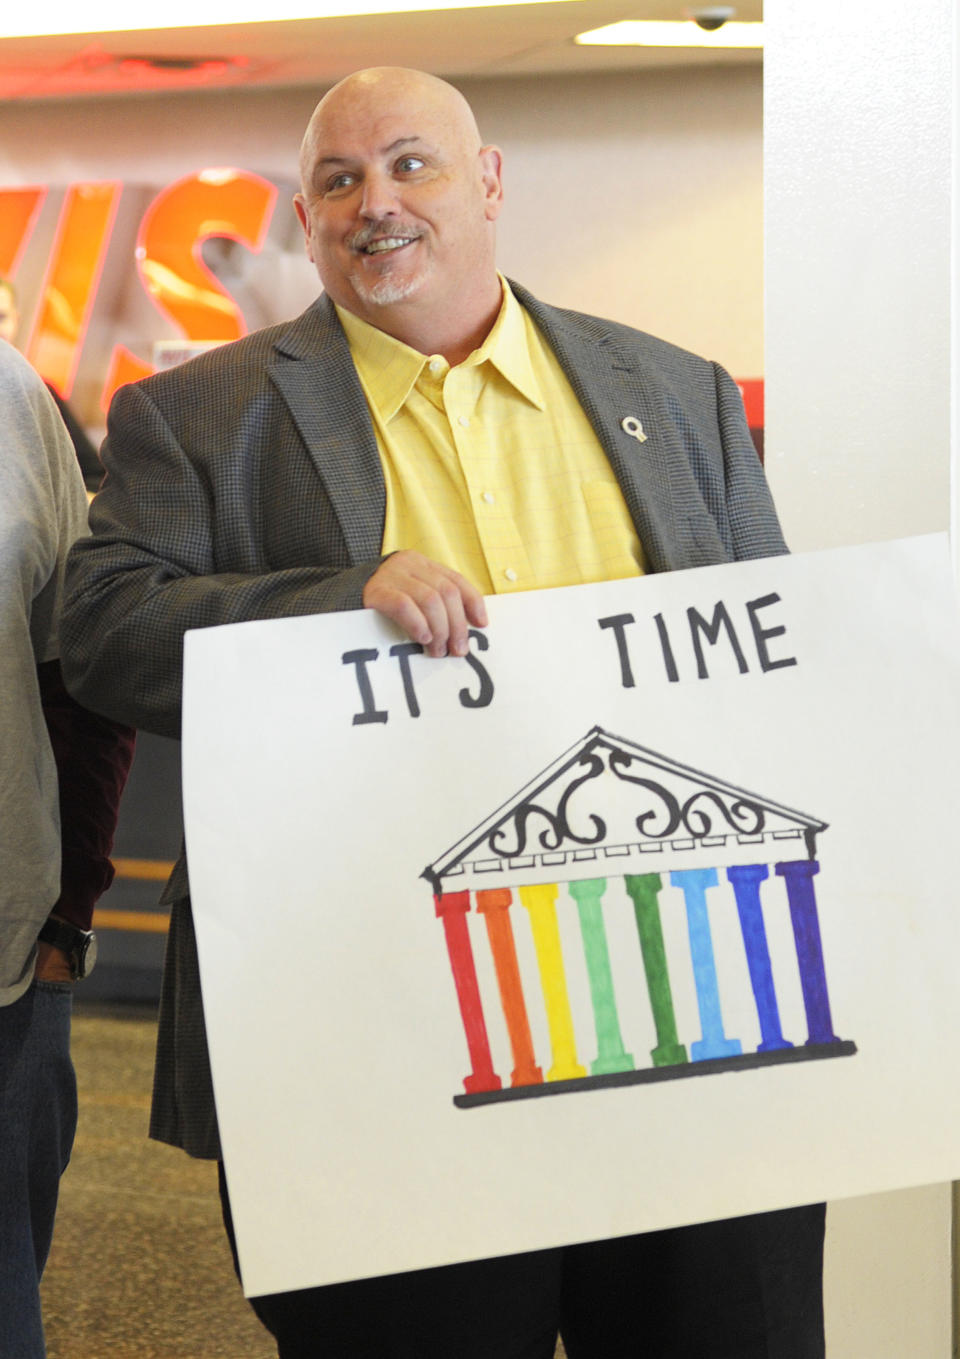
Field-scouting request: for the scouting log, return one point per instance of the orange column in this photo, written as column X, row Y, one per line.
column 494, row 906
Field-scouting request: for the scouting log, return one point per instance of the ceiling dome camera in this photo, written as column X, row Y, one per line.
column 712, row 17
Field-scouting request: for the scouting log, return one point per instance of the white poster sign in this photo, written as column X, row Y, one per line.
column 644, row 913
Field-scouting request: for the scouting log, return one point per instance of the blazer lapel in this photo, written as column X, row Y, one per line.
column 613, row 387
column 315, row 375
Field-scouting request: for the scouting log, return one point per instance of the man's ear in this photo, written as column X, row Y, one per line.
column 300, row 206
column 491, row 168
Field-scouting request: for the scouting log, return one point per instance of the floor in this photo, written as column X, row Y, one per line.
column 140, row 1267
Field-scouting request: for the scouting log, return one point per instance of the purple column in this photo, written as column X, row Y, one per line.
column 746, row 879
column 798, row 875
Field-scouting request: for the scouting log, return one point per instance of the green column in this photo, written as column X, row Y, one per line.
column 643, row 889
column 611, row 1055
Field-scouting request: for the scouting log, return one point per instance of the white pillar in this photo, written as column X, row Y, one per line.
column 860, row 156
column 858, row 166
column 955, row 309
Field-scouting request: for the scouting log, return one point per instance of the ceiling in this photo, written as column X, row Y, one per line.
column 509, row 40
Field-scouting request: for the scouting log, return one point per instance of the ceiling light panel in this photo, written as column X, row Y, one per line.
column 686, row 33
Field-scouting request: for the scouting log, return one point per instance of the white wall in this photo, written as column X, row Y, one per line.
column 639, row 197
column 858, row 217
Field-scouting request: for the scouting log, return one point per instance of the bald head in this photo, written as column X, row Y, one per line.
column 377, row 88
column 398, row 203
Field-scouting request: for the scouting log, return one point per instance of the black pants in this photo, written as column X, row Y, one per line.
column 745, row 1288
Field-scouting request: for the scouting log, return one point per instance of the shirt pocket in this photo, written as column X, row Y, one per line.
column 617, row 550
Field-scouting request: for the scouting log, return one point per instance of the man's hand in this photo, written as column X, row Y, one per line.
column 53, row 965
column 434, row 605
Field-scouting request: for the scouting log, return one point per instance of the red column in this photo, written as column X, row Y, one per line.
column 452, row 908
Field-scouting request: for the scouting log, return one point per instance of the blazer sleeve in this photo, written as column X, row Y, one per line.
column 747, row 511
column 171, row 550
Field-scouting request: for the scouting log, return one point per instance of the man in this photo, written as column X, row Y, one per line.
column 425, row 434
column 46, row 896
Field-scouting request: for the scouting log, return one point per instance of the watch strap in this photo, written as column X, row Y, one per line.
column 71, row 939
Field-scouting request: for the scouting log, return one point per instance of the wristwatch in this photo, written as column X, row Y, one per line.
column 80, row 946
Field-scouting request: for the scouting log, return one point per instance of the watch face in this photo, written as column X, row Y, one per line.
column 86, row 955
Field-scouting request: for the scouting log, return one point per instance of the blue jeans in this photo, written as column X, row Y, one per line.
column 38, row 1118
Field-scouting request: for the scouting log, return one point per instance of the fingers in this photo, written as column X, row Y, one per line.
column 432, row 604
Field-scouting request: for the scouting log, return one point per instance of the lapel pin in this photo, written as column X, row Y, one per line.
column 632, row 426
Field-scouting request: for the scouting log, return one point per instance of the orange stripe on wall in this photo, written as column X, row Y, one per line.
column 147, row 870
column 138, row 922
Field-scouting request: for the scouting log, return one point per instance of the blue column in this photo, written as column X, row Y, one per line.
column 693, row 882
column 799, row 875
column 746, row 879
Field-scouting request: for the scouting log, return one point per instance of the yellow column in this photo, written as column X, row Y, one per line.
column 540, row 902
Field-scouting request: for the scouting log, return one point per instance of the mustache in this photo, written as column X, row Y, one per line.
column 378, row 230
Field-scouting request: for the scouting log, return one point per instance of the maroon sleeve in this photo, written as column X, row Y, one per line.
column 93, row 758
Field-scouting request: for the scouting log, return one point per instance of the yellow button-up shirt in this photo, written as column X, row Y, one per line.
column 491, row 466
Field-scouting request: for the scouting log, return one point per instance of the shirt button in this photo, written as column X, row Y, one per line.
column 489, row 498
column 463, row 421
column 436, row 365
column 510, row 573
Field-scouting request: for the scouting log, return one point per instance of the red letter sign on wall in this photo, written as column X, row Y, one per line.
column 19, row 209
column 233, row 203
column 83, row 234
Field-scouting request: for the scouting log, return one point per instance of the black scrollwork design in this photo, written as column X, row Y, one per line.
column 743, row 816
column 661, row 817
column 558, row 828
column 669, row 808
column 739, row 813
column 498, row 843
column 594, row 765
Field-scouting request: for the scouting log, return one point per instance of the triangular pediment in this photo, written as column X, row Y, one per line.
column 609, row 805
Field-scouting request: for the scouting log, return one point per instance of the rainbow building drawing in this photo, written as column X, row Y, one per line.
column 607, row 808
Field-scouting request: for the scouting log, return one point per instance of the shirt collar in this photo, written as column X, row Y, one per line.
column 389, row 369
column 507, row 348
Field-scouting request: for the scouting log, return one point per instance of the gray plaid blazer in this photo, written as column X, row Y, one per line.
column 247, row 484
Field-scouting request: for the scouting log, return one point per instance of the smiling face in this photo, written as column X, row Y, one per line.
column 398, row 206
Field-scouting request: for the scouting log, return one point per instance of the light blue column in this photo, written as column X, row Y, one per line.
column 746, row 879
column 693, row 882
